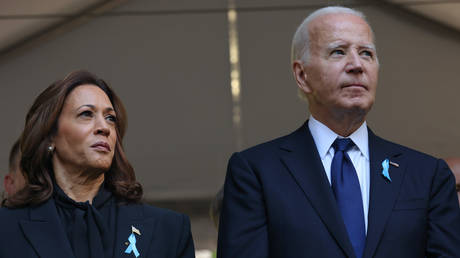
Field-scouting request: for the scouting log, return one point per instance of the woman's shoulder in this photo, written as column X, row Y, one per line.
column 163, row 214
column 9, row 218
column 12, row 213
column 170, row 223
column 154, row 210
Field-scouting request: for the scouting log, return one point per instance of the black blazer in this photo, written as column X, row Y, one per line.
column 278, row 203
column 36, row 232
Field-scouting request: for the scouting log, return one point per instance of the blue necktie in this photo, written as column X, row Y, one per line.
column 345, row 185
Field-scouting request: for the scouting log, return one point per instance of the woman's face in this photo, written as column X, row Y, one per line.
column 86, row 135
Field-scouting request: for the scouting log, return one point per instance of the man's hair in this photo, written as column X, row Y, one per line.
column 15, row 153
column 300, row 47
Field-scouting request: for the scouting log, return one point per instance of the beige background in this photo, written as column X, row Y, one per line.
column 171, row 69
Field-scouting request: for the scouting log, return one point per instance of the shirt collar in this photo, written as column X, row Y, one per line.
column 325, row 137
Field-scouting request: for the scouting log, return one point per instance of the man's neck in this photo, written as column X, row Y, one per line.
column 343, row 124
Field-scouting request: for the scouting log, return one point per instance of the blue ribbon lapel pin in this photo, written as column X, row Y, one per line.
column 386, row 168
column 132, row 242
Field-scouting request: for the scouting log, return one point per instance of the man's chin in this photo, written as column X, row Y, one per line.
column 358, row 107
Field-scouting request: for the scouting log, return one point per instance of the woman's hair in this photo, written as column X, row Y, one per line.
column 40, row 127
column 15, row 153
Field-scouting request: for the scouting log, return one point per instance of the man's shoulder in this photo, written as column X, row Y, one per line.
column 271, row 146
column 407, row 151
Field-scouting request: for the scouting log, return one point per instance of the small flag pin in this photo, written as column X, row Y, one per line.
column 394, row 164
column 135, row 230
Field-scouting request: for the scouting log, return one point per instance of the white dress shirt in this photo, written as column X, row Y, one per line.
column 359, row 154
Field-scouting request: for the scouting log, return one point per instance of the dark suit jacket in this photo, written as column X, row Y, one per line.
column 37, row 232
column 278, row 203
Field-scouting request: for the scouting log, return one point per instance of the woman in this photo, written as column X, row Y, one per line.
column 81, row 197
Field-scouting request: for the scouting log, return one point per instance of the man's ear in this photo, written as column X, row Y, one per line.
column 300, row 76
column 8, row 184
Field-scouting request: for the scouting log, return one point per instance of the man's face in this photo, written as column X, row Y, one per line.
column 454, row 164
column 14, row 180
column 342, row 72
column 456, row 170
column 457, row 182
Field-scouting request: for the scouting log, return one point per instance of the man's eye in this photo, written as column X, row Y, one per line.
column 367, row 53
column 338, row 52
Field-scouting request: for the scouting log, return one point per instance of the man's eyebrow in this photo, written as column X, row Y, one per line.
column 342, row 44
column 369, row 46
column 336, row 45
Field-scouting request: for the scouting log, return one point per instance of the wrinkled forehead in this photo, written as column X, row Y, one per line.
column 340, row 26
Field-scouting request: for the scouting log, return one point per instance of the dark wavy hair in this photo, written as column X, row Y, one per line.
column 41, row 126
column 15, row 152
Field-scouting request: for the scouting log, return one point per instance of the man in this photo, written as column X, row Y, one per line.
column 216, row 207
column 14, row 180
column 333, row 188
column 454, row 164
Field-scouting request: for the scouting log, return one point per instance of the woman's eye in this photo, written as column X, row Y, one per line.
column 338, row 52
column 111, row 118
column 86, row 113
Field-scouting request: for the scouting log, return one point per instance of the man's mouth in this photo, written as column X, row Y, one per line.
column 355, row 85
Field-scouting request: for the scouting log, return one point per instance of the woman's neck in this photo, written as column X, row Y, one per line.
column 76, row 184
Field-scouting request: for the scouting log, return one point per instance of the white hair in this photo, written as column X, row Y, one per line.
column 300, row 48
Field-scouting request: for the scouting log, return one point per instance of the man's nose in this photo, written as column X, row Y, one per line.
column 354, row 64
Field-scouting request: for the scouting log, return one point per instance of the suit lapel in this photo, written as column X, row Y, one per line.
column 303, row 162
column 128, row 216
column 383, row 193
column 45, row 232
